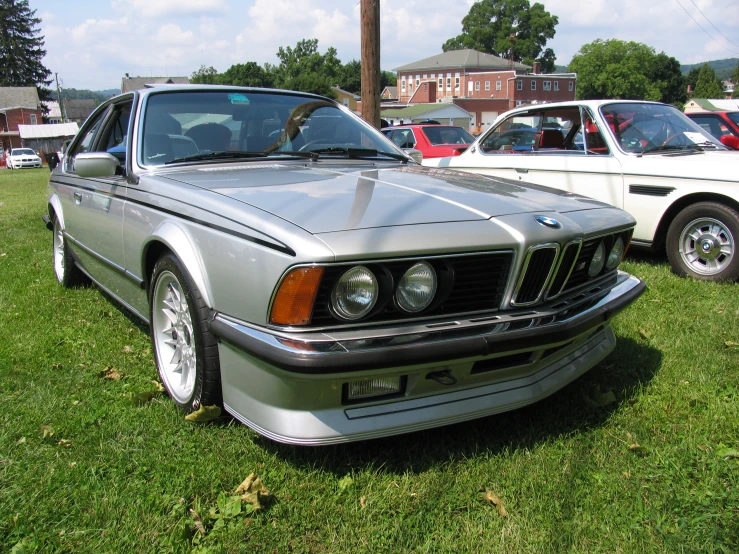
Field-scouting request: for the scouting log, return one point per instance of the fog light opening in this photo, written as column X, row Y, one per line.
column 374, row 388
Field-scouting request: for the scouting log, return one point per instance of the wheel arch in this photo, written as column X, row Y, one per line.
column 169, row 237
column 55, row 209
column 680, row 204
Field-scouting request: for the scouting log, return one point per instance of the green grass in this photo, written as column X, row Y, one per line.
column 121, row 476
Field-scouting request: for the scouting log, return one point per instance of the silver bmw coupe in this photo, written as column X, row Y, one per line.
column 302, row 272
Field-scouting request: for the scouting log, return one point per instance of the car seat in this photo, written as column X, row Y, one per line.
column 211, row 137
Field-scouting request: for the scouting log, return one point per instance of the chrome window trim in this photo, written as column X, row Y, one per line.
column 379, row 261
column 522, row 273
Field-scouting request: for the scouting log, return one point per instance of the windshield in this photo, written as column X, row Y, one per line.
column 641, row 128
column 734, row 116
column 197, row 125
column 22, row 152
column 448, row 135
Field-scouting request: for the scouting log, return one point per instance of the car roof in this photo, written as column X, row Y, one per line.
column 575, row 103
column 422, row 125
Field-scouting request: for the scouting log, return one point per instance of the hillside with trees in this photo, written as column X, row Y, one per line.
column 722, row 68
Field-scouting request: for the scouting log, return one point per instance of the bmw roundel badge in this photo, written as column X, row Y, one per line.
column 548, row 221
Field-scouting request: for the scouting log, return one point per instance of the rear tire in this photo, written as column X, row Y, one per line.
column 67, row 273
column 185, row 351
column 702, row 242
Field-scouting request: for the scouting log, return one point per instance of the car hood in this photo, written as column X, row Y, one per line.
column 717, row 165
column 328, row 197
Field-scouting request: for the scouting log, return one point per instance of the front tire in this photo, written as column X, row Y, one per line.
column 185, row 351
column 701, row 242
column 67, row 273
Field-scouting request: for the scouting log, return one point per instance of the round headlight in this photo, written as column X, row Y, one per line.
column 416, row 288
column 599, row 258
column 355, row 293
column 617, row 252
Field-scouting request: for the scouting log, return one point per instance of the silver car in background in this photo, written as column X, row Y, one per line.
column 298, row 269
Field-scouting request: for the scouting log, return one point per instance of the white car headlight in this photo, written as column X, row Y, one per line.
column 599, row 258
column 617, row 252
column 416, row 288
column 355, row 293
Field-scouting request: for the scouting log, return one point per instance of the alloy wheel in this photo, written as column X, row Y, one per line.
column 706, row 246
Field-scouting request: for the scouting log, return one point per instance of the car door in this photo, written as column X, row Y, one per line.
column 561, row 148
column 93, row 207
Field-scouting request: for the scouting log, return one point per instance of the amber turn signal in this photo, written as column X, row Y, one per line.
column 293, row 303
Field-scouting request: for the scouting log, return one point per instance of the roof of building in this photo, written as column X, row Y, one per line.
column 137, row 83
column 462, row 59
column 79, row 109
column 48, row 131
column 337, row 89
column 19, row 97
column 418, row 109
column 53, row 109
column 392, row 91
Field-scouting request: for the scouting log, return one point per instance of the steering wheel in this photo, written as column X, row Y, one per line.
column 315, row 142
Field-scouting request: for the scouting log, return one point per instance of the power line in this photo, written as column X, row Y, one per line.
column 712, row 25
column 704, row 30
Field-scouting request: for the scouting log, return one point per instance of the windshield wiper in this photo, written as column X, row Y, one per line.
column 230, row 155
column 673, row 148
column 359, row 153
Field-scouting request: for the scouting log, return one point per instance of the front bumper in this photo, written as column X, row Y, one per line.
column 288, row 387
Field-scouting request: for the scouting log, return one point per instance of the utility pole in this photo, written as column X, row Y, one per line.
column 62, row 111
column 370, row 37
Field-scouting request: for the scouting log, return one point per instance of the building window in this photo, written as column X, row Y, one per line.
column 547, row 85
column 487, row 85
column 410, row 88
column 519, row 85
column 456, row 83
column 418, row 81
column 33, row 119
column 346, row 102
column 449, row 83
column 402, row 84
column 441, row 83
column 556, row 85
column 518, row 102
column 499, row 85
column 533, row 84
column 477, row 86
column 571, row 86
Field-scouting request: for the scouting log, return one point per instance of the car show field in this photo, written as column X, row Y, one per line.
column 640, row 454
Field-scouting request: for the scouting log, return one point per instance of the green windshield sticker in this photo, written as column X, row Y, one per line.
column 237, row 98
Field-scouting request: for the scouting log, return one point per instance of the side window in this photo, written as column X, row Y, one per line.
column 516, row 134
column 594, row 142
column 86, row 143
column 115, row 135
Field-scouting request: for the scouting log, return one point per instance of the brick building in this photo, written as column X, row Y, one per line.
column 482, row 84
column 18, row 106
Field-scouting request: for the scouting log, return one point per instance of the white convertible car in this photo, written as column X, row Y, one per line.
column 679, row 182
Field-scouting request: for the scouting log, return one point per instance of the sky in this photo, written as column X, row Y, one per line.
column 91, row 44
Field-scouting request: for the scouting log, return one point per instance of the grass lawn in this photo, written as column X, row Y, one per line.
column 639, row 455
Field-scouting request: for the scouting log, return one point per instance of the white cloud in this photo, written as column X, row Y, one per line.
column 173, row 34
column 158, row 8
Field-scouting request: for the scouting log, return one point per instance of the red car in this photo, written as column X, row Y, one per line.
column 722, row 125
column 434, row 141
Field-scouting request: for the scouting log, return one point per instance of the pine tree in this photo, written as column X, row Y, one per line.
column 708, row 85
column 22, row 48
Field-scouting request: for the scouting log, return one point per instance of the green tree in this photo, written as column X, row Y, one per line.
column 512, row 29
column 22, row 48
column 248, row 74
column 707, row 85
column 205, row 76
column 350, row 77
column 735, row 79
column 388, row 79
column 304, row 68
column 619, row 69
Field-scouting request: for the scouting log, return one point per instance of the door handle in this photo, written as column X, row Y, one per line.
column 77, row 197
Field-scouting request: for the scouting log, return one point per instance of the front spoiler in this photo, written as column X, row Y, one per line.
column 331, row 354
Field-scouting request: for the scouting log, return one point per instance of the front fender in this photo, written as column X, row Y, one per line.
column 55, row 206
column 181, row 244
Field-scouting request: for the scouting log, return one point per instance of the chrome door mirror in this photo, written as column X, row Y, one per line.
column 96, row 164
column 417, row 155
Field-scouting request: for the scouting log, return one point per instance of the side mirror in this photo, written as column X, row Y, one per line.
column 417, row 155
column 730, row 141
column 96, row 164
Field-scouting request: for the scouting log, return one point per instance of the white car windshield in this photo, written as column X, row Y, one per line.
column 643, row 128
column 22, row 152
column 189, row 126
